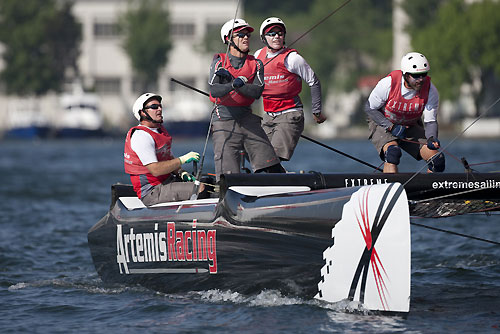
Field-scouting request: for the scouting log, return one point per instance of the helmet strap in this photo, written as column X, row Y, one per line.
column 406, row 80
column 148, row 118
column 231, row 43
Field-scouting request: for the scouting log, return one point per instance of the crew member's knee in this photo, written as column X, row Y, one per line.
column 437, row 163
column 393, row 154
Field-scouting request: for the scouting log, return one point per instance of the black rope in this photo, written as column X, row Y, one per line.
column 340, row 152
column 321, row 21
column 456, row 233
column 303, row 136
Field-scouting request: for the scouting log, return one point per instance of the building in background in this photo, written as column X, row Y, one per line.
column 105, row 67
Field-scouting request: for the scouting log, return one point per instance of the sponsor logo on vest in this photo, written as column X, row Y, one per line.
column 127, row 158
column 275, row 79
column 363, row 182
column 165, row 247
column 401, row 106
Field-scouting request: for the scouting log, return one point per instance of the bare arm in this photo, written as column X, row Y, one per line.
column 164, row 167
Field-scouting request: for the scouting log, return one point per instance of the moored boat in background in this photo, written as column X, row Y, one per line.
column 80, row 115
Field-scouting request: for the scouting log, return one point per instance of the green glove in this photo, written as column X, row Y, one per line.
column 191, row 156
column 186, row 177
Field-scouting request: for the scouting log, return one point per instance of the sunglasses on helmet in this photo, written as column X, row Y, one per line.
column 243, row 34
column 274, row 33
column 418, row 75
column 153, row 106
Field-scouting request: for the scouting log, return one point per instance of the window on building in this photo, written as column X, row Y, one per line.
column 108, row 85
column 106, row 30
column 182, row 30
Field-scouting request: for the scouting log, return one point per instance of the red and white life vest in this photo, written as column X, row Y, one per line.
column 234, row 98
column 400, row 110
column 139, row 174
column 282, row 86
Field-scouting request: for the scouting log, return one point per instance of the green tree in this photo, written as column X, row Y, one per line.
column 146, row 27
column 41, row 40
column 282, row 7
column 355, row 41
column 463, row 45
column 421, row 13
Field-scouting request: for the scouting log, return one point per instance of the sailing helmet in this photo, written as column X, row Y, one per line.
column 270, row 23
column 414, row 62
column 141, row 100
column 233, row 26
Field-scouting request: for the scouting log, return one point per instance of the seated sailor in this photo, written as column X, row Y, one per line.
column 153, row 170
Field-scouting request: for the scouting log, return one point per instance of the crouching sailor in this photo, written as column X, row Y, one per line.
column 152, row 167
column 395, row 108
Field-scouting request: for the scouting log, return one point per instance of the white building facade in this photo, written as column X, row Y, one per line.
column 105, row 67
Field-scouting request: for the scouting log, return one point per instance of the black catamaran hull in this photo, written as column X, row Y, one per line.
column 245, row 242
column 254, row 244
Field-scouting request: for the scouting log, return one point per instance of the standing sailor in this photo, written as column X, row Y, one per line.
column 395, row 108
column 285, row 69
column 148, row 158
column 236, row 80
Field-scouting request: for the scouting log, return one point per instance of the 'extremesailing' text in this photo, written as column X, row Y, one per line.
column 466, row 185
column 169, row 246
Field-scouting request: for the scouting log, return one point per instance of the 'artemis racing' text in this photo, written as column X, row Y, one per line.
column 169, row 246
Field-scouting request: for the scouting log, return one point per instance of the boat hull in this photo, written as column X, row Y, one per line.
column 242, row 244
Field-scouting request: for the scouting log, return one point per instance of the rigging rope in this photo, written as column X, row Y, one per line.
column 197, row 183
column 456, row 233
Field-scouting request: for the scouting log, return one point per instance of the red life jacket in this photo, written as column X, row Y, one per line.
column 140, row 176
column 400, row 110
column 247, row 70
column 282, row 86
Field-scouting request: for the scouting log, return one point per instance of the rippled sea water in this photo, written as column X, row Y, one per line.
column 52, row 192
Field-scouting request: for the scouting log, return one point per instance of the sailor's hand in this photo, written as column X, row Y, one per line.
column 433, row 144
column 186, row 177
column 239, row 82
column 224, row 74
column 398, row 131
column 191, row 156
column 319, row 117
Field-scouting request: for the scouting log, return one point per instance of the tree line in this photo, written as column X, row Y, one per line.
column 461, row 39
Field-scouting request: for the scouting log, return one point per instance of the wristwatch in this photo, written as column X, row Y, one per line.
column 317, row 114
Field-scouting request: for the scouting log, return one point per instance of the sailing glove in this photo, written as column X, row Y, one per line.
column 239, row 82
column 398, row 131
column 224, row 75
column 186, row 177
column 430, row 143
column 191, row 156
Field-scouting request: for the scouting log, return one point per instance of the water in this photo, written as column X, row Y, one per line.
column 54, row 191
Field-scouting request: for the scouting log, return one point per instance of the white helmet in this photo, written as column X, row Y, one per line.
column 139, row 103
column 271, row 21
column 414, row 62
column 236, row 25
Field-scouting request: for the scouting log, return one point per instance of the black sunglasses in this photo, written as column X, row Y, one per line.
column 274, row 33
column 418, row 75
column 243, row 34
column 153, row 106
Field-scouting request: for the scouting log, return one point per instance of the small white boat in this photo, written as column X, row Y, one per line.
column 80, row 115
